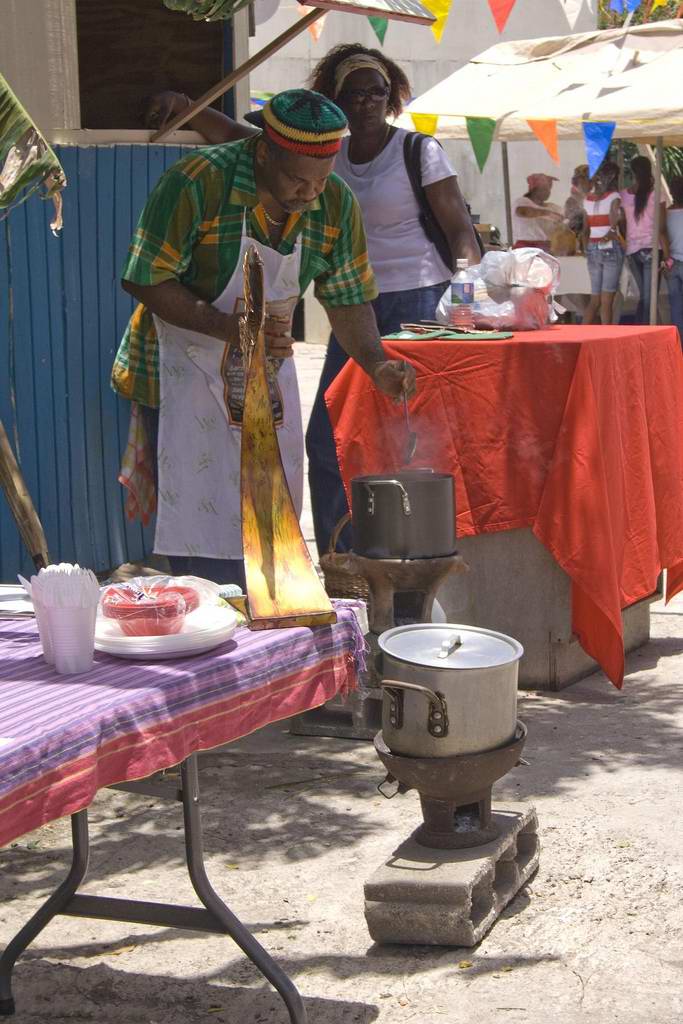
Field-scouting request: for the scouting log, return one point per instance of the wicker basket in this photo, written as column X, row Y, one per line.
column 339, row 580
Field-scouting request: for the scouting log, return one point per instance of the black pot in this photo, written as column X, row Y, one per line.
column 408, row 515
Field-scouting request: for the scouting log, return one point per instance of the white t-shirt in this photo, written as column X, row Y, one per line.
column 533, row 229
column 674, row 227
column 400, row 253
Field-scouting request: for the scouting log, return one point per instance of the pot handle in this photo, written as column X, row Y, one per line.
column 437, row 721
column 405, row 500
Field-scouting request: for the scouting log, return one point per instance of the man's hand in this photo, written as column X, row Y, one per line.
column 394, row 377
column 162, row 107
column 278, row 339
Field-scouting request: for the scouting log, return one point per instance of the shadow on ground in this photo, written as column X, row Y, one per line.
column 54, row 992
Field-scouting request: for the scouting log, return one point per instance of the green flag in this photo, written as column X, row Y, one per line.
column 379, row 25
column 481, row 131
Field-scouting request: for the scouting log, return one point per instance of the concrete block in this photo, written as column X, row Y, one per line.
column 516, row 587
column 422, row 896
column 356, row 717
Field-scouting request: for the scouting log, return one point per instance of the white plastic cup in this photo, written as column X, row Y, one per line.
column 42, row 618
column 72, row 637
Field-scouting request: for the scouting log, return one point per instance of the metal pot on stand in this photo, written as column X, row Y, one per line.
column 448, row 689
column 407, row 515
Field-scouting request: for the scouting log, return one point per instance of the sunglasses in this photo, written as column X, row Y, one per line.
column 376, row 94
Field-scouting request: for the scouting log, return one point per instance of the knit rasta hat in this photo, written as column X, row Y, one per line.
column 304, row 122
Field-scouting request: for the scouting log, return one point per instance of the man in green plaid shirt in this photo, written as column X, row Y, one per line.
column 278, row 189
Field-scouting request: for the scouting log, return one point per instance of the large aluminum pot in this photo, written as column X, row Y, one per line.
column 448, row 689
column 408, row 515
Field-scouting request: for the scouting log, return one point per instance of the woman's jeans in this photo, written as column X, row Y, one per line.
column 328, row 499
column 640, row 265
column 675, row 284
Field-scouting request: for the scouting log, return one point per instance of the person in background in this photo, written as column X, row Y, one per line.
column 603, row 242
column 674, row 227
column 180, row 360
column 533, row 218
column 573, row 208
column 410, row 272
column 638, row 203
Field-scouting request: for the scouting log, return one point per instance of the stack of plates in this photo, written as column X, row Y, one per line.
column 203, row 629
column 14, row 601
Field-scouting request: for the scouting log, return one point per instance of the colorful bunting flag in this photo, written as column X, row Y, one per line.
column 425, row 123
column 481, row 131
column 546, row 132
column 597, row 136
column 317, row 27
column 500, row 9
column 622, row 6
column 440, row 10
column 658, row 3
column 572, row 10
column 379, row 27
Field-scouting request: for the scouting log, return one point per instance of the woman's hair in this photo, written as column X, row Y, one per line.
column 676, row 186
column 322, row 79
column 644, row 183
column 608, row 174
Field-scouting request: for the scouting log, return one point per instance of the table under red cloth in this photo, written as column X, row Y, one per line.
column 572, row 431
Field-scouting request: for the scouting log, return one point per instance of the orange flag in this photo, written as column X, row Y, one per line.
column 546, row 132
column 500, row 9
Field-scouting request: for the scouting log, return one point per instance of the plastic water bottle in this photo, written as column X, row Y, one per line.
column 462, row 297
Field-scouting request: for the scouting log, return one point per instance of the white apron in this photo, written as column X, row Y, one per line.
column 200, row 412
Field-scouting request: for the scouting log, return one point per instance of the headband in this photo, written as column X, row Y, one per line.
column 358, row 62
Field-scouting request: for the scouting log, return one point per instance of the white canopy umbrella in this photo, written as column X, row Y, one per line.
column 629, row 76
column 623, row 75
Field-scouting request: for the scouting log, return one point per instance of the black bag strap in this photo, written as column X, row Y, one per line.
column 412, row 157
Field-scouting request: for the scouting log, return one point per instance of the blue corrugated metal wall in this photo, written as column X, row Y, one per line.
column 62, row 314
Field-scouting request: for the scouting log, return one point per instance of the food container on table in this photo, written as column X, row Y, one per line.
column 448, row 689
column 154, row 607
column 405, row 515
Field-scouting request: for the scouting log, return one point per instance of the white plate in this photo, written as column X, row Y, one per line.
column 202, row 630
column 14, row 599
column 134, row 654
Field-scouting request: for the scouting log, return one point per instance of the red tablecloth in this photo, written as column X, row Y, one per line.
column 573, row 431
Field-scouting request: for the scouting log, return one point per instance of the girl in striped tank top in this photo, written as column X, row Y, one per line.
column 603, row 242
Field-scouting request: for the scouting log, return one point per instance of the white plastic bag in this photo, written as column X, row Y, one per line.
column 512, row 291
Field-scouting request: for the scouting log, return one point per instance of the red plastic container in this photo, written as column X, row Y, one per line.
column 155, row 610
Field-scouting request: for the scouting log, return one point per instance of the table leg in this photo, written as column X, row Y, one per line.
column 233, row 926
column 216, row 918
column 52, row 906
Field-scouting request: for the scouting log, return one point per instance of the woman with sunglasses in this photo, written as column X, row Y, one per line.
column 410, row 273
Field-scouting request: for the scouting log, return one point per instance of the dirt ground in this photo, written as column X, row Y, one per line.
column 294, row 826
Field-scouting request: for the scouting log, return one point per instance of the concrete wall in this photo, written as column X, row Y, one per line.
column 470, row 30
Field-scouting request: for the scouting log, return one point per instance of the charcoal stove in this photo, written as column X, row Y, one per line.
column 455, row 792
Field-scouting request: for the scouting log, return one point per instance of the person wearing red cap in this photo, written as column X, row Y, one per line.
column 533, row 218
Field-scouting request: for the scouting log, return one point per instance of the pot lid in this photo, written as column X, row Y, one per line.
column 450, row 646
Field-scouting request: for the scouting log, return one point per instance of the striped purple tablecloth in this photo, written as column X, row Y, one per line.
column 64, row 737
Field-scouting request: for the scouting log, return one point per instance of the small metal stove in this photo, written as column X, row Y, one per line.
column 455, row 792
